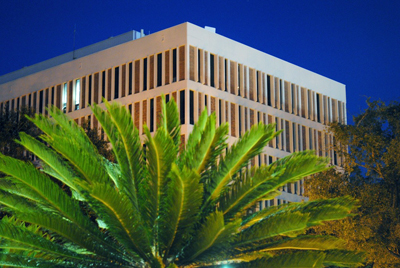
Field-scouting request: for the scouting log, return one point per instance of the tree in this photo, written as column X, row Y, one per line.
column 371, row 175
column 11, row 123
column 159, row 206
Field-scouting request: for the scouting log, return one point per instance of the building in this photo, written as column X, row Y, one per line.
column 198, row 68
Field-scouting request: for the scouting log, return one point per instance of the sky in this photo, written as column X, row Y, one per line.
column 355, row 42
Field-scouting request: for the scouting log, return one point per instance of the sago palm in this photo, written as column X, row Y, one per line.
column 163, row 204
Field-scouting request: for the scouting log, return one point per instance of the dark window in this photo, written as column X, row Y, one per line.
column 205, row 100
column 130, row 78
column 318, row 112
column 269, row 89
column 34, row 101
column 103, row 86
column 191, row 107
column 151, row 115
column 30, row 100
column 90, row 90
column 293, row 99
column 159, row 70
column 240, row 121
column 116, row 83
column 238, row 87
column 226, row 75
column 167, row 98
column 52, row 95
column 280, row 95
column 40, row 102
column 257, row 86
column 220, row 112
column 182, row 106
column 212, row 82
column 174, row 66
column 145, row 74
column 198, row 65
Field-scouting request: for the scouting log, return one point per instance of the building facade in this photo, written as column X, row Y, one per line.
column 200, row 70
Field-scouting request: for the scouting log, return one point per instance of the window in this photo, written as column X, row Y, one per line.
column 77, row 93
column 130, row 78
column 258, row 86
column 191, row 107
column 64, row 98
column 220, row 111
column 90, row 90
column 52, row 96
column 238, row 79
column 226, row 74
column 174, row 65
column 144, row 74
column 212, row 78
column 159, row 69
column 151, row 115
column 116, row 83
column 240, row 121
column 40, row 102
column 318, row 109
column 108, row 84
column 182, row 106
column 198, row 65
column 269, row 90
column 103, row 85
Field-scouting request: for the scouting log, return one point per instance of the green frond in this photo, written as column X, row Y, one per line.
column 251, row 187
column 122, row 219
column 49, row 193
column 23, row 236
column 180, row 211
column 125, row 141
column 15, row 202
column 212, row 238
column 54, row 163
column 97, row 243
column 311, row 259
column 170, row 120
column 250, row 145
column 303, row 242
column 299, row 165
column 160, row 154
column 343, row 258
column 281, row 223
column 70, row 141
column 16, row 260
column 195, row 136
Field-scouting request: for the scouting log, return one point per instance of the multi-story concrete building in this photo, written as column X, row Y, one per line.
column 199, row 69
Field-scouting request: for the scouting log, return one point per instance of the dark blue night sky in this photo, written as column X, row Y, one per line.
column 354, row 42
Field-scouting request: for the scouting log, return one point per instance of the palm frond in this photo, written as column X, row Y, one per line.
column 56, row 166
column 11, row 231
column 169, row 120
column 213, row 237
column 121, row 218
column 160, row 154
column 344, row 258
column 251, row 187
column 125, row 141
column 250, row 145
column 180, row 211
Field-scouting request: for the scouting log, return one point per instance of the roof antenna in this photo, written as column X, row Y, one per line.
column 73, row 49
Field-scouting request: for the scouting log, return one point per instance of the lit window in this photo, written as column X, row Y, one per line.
column 64, row 98
column 77, row 93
